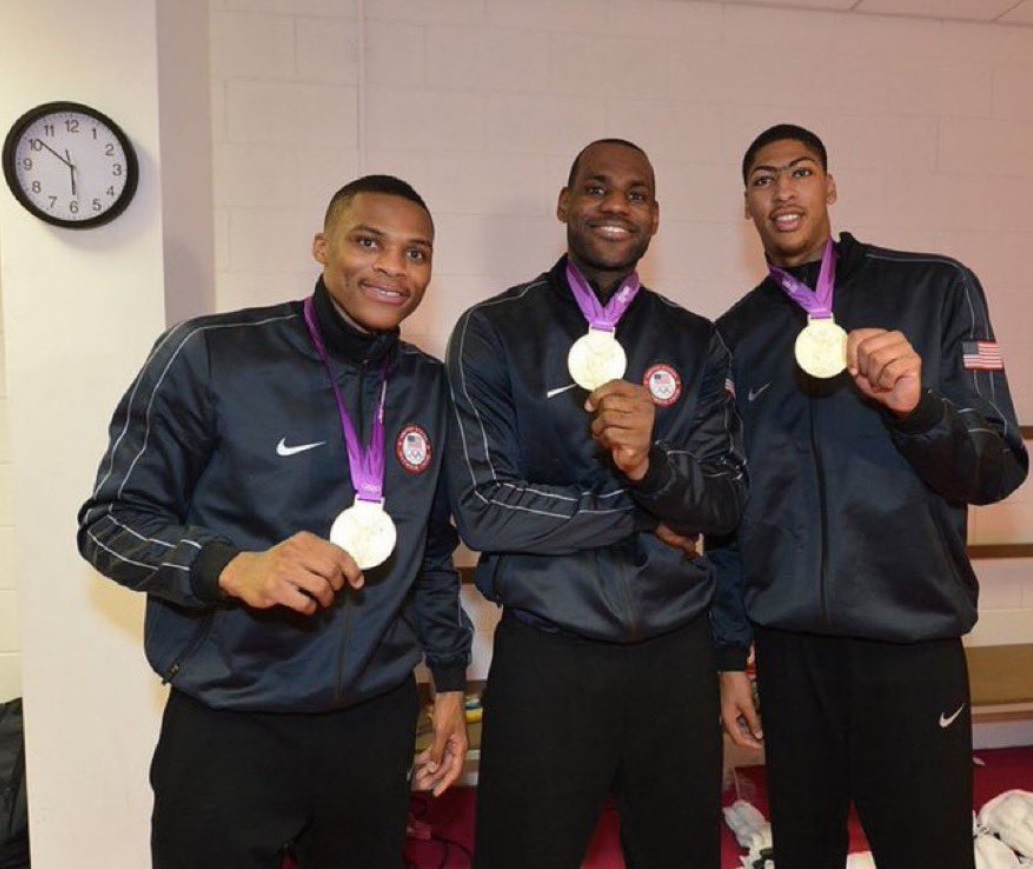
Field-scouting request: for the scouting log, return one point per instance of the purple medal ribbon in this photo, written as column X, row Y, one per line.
column 605, row 318
column 819, row 302
column 366, row 466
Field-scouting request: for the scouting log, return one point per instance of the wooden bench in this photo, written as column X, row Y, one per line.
column 1001, row 679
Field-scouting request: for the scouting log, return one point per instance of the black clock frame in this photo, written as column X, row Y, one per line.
column 30, row 117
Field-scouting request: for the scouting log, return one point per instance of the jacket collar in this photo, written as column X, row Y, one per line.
column 343, row 340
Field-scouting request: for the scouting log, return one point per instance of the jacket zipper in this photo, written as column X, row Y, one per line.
column 824, row 577
column 195, row 642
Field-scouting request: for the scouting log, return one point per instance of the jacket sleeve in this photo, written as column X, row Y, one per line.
column 698, row 481
column 733, row 633
column 444, row 630
column 133, row 527
column 496, row 509
column 963, row 438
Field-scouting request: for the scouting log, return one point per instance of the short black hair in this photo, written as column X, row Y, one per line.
column 779, row 133
column 385, row 184
column 577, row 159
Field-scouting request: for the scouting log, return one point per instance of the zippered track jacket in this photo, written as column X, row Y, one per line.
column 567, row 542
column 230, row 440
column 857, row 520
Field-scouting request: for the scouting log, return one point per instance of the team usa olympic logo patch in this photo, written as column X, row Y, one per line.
column 663, row 384
column 413, row 449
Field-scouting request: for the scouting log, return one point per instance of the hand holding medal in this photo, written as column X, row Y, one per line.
column 623, row 424
column 597, row 357
column 303, row 573
column 886, row 368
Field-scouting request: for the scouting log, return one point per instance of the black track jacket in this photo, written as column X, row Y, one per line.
column 230, row 440
column 856, row 524
column 566, row 541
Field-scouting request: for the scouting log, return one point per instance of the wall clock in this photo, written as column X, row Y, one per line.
column 70, row 165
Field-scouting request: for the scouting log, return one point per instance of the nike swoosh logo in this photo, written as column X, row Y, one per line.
column 554, row 392
column 283, row 450
column 755, row 393
column 948, row 720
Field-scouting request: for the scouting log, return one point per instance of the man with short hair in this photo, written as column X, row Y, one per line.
column 594, row 437
column 875, row 410
column 272, row 484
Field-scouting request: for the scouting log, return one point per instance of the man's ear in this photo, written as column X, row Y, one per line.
column 831, row 193
column 319, row 248
column 746, row 207
column 563, row 205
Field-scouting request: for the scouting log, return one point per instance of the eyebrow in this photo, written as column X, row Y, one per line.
column 608, row 179
column 379, row 233
column 806, row 158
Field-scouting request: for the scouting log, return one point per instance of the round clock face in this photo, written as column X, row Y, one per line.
column 70, row 165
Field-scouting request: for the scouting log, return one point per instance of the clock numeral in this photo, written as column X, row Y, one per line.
column 110, row 191
column 116, row 169
column 53, row 201
column 109, row 150
column 73, row 206
column 48, row 129
column 72, row 125
column 35, row 144
column 36, row 187
column 27, row 164
column 96, row 205
column 94, row 131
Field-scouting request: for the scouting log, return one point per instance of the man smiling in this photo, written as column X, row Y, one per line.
column 875, row 409
column 247, row 441
column 592, row 417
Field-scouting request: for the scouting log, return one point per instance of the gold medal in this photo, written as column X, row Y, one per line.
column 366, row 532
column 821, row 348
column 595, row 359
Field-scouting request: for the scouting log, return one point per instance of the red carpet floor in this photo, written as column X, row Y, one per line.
column 449, row 821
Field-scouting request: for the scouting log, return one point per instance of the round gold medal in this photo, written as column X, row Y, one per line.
column 595, row 359
column 821, row 348
column 366, row 532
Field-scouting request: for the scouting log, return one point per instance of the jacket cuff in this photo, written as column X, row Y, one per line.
column 926, row 415
column 204, row 574
column 657, row 475
column 731, row 658
column 449, row 678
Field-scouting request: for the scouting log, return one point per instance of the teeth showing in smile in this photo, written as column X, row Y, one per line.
column 612, row 231
column 786, row 221
column 385, row 293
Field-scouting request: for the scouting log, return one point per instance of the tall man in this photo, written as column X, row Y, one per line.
column 875, row 409
column 592, row 426
column 245, row 442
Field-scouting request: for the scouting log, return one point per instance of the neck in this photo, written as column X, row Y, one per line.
column 344, row 315
column 792, row 260
column 604, row 282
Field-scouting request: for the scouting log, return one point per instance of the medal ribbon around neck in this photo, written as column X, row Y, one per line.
column 364, row 530
column 597, row 358
column 817, row 303
column 602, row 317
column 820, row 349
column 365, row 466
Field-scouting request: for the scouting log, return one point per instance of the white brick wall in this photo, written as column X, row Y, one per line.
column 10, row 637
column 482, row 104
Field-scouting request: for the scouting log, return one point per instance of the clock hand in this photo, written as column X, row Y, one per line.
column 52, row 151
column 71, row 167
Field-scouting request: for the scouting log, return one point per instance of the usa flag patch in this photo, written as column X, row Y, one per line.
column 982, row 356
